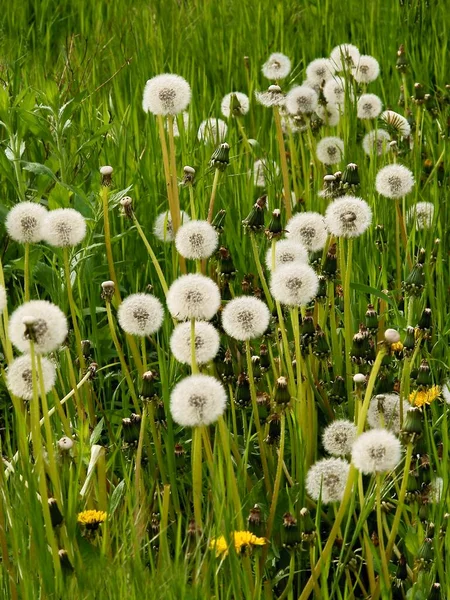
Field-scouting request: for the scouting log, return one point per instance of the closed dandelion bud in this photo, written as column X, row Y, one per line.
column 148, row 390
column 425, row 553
column 321, row 349
column 409, row 342
column 415, row 282
column 160, row 414
column 221, row 157
column 329, row 268
column 371, row 319
column 307, row 526
column 55, row 514
column 401, row 573
column 131, row 428
column 274, row 422
column 435, row 592
column 412, row 424
column 254, row 520
column 64, row 561
column 263, row 404
column 126, row 207
column 419, row 93
column 219, row 220
column 290, row 535
column 322, row 289
column 338, row 392
column 108, row 288
column 275, row 229
column 401, row 64
column 180, row 456
column 350, row 176
column 86, row 348
column 242, row 395
column 106, row 173
column 282, row 395
column 188, row 176
column 256, row 368
column 225, row 268
column 255, row 220
column 424, row 375
column 424, row 323
column 226, row 368
column 421, row 256
column 264, row 358
column 359, row 348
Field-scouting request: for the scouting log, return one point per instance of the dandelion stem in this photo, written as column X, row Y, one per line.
column 73, row 310
column 262, row 279
column 213, row 195
column 283, row 161
column 152, row 255
column 26, row 273
column 277, row 483
column 345, row 277
column 108, row 247
column 197, row 474
column 383, row 557
column 402, row 227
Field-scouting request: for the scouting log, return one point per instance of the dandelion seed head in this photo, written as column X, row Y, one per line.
column 176, row 128
column 376, row 142
column 19, row 377
column 272, row 97
column 294, row 284
column 106, row 170
column 339, row 436
column 329, row 114
column 163, row 228
column 196, row 240
column 369, row 106
column 65, row 443
column 207, row 341
column 334, row 91
column 367, row 69
column 376, row 451
column 348, row 217
column 326, row 479
column 344, row 56
column 197, row 400
column 64, row 227
column 264, row 168
column 319, row 71
column 242, row 104
column 212, row 131
column 391, row 336
column 309, row 229
column 3, row 299
column 384, row 412
column 140, row 314
column 277, row 66
column 50, row 326
column 446, row 391
column 193, row 296
column 25, row 222
column 166, row 94
column 330, row 150
column 421, row 215
column 245, row 318
column 394, row 181
column 301, row 100
column 287, row 252
column 397, row 123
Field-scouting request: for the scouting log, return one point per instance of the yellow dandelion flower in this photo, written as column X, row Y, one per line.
column 421, row 397
column 91, row 519
column 396, row 347
column 241, row 539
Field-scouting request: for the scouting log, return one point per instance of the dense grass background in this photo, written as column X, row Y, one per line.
column 71, row 82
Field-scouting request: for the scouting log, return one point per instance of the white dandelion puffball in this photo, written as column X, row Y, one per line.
column 396, row 122
column 309, row 229
column 394, row 181
column 193, row 296
column 197, row 400
column 334, row 91
column 421, row 215
column 344, row 56
column 286, row 252
column 294, row 285
column 262, row 168
column 339, row 436
column 162, row 227
column 301, row 100
column 348, row 217
column 196, row 240
column 176, row 129
column 391, row 336
column 19, row 377
column 49, row 326
column 329, row 114
column 239, row 106
column 384, row 412
column 272, row 97
column 367, row 69
column 376, row 451
column 326, row 479
column 140, row 314
column 376, row 142
column 436, row 490
column 245, row 318
column 212, row 131
column 25, row 222
column 166, row 94
column 330, row 150
column 64, row 227
column 369, row 106
column 446, row 391
column 3, row 299
column 319, row 71
column 207, row 342
column 277, row 66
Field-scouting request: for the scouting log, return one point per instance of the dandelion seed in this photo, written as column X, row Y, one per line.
column 235, row 104
column 272, row 97
column 376, row 451
column 91, row 519
column 394, row 181
column 193, row 296
column 25, row 222
column 196, row 240
column 140, row 314
column 287, row 252
column 369, row 106
column 376, row 142
column 327, row 479
column 309, row 229
column 294, row 285
column 301, row 100
column 339, row 436
column 262, row 169
column 421, row 215
column 334, row 91
column 49, row 326
column 64, row 227
column 397, row 123
column 163, row 228
column 330, row 150
column 207, row 342
column 166, row 94
column 384, row 411
column 197, row 400
column 245, row 318
column 344, row 56
column 277, row 66
column 425, row 396
column 19, row 377
column 446, row 391
column 212, row 131
column 367, row 69
column 241, row 541
column 319, row 71
column 348, row 217
column 329, row 114
column 3, row 299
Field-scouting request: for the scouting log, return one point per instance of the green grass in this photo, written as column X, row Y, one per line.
column 71, row 83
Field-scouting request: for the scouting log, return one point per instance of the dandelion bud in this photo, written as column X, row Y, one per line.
column 321, row 349
column 419, row 93
column 274, row 422
column 350, row 176
column 307, row 525
column 338, row 391
column 254, row 520
column 255, row 220
column 401, row 63
column 126, row 207
column 424, row 376
column 180, row 456
column 424, row 323
column 290, row 534
column 371, row 319
column 86, row 348
column 131, row 429
column 329, row 268
column 108, row 289
column 221, row 157
column 149, row 388
column 282, row 395
column 66, row 565
column 322, row 290
column 391, row 336
column 225, row 269
column 219, row 220
column 106, row 173
column 413, row 424
column 415, row 282
column 242, row 396
column 55, row 514
column 275, row 228
column 65, row 444
column 425, row 554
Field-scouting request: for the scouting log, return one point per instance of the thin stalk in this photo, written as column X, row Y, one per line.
column 262, row 279
column 283, row 161
column 194, row 366
column 402, row 228
column 197, row 474
column 213, row 195
column 277, row 483
column 346, row 268
column 173, row 174
column 384, row 566
column 73, row 310
column 26, row 272
column 234, row 492
column 104, row 193
column 165, row 155
column 192, row 202
column 152, row 255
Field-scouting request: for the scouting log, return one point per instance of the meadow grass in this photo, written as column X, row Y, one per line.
column 71, row 82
